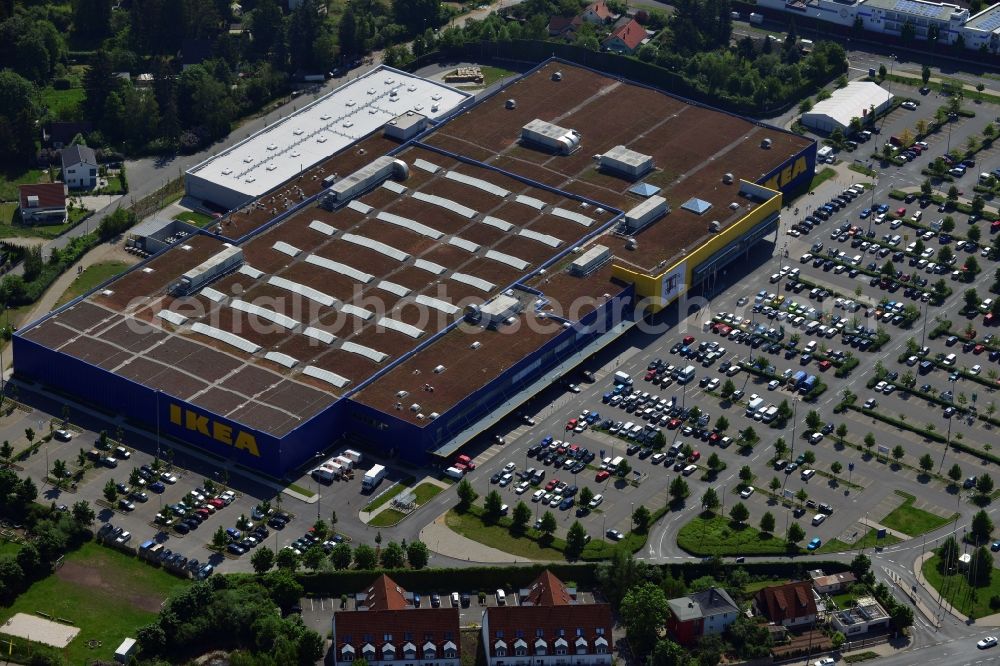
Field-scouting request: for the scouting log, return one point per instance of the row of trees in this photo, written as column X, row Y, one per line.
column 393, row 555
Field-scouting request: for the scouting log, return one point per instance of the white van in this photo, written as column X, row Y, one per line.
column 454, row 599
column 502, row 597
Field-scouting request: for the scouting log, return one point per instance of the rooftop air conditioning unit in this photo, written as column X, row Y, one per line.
column 414, row 407
column 766, row 144
column 402, row 394
column 714, row 226
column 727, row 179
column 420, row 417
column 438, row 369
column 631, row 244
column 511, row 104
column 432, row 416
column 557, row 76
column 476, row 345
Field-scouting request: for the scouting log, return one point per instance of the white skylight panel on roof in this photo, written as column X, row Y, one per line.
column 367, row 352
column 171, row 316
column 281, row 359
column 412, row 225
column 478, row 183
column 359, row 206
column 264, row 313
column 498, row 223
column 361, row 313
column 331, row 378
column 537, row 204
column 290, row 250
column 448, row 204
column 250, row 271
column 337, row 267
column 466, row 245
column 437, row 304
column 424, row 165
column 322, row 227
column 378, row 246
column 472, row 280
column 572, row 216
column 226, row 337
column 319, row 334
column 551, row 241
column 393, row 186
column 519, row 264
column 429, row 266
column 400, row 327
column 393, row 288
column 302, row 290
column 213, row 295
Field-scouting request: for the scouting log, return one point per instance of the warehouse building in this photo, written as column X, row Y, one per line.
column 432, row 287
column 859, row 99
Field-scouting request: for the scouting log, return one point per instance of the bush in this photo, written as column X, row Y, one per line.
column 62, row 84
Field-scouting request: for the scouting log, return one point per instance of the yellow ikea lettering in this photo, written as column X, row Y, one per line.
column 787, row 175
column 220, row 432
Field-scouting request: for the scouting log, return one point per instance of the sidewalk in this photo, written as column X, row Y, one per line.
column 442, row 540
column 872, row 524
column 918, row 572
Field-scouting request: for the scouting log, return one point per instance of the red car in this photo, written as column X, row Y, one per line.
column 571, row 424
column 603, row 474
column 466, row 460
column 217, row 503
column 824, row 365
column 673, row 424
column 650, row 374
column 978, row 349
column 725, row 330
column 714, row 438
column 551, row 484
column 688, row 339
column 694, row 456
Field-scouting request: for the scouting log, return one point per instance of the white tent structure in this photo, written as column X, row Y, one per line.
column 856, row 100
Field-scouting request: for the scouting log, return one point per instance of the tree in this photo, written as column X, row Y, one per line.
column 746, row 474
column 320, row 529
column 110, row 491
column 262, row 560
column 59, row 469
column 739, row 513
column 668, row 653
column 948, row 226
column 955, row 473
column 813, row 420
column 341, row 556
column 984, row 485
column 678, row 490
column 981, row 527
column 981, row 569
column 365, row 557
column 393, row 556
column 466, row 495
column 801, row 495
column 971, row 298
column 869, row 441
column 710, row 500
column 417, row 554
column 641, row 518
column 901, row 616
column 493, row 506
column 925, row 74
column 780, row 448
column 767, row 522
column 728, row 388
column 898, row 452
column 836, row 467
column 6, row 452
column 714, row 463
column 521, row 516
column 29, row 434
column 948, row 554
column 926, row 463
column 219, row 539
column 287, row 560
column 623, row 469
column 775, row 484
column 795, row 534
column 83, row 514
column 809, row 457
column 576, row 539
column 722, row 424
column 643, row 612
column 313, row 557
column 547, row 527
column 586, row 494
column 882, row 72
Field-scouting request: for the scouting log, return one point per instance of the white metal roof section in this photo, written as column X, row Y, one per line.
column 171, row 316
column 502, row 225
column 393, row 186
column 478, row 183
column 367, row 352
column 331, row 378
column 317, row 131
column 466, row 245
column 393, row 288
column 282, row 359
column 551, row 241
column 400, row 327
column 378, row 246
column 319, row 334
column 519, row 264
column 424, row 165
column 572, row 216
column 407, row 223
column 225, row 336
column 359, row 206
column 302, row 290
column 437, row 304
column 213, row 295
column 249, row 271
column 472, row 280
column 285, row 248
column 322, row 227
column 429, row 266
column 264, row 313
column 537, row 204
column 359, row 312
column 447, row 204
column 337, row 267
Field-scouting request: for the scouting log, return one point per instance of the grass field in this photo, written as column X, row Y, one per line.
column 61, row 101
column 9, row 548
column 912, row 521
column 92, row 276
column 716, row 535
column 753, row 588
column 425, row 491
column 956, row 590
column 387, row 518
column 9, row 182
column 867, row 541
column 106, row 593
column 386, row 496
column 197, row 219
column 499, row 537
column 823, row 176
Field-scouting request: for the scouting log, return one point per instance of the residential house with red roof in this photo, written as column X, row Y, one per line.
column 626, row 38
column 790, row 605
column 549, row 627
column 561, row 26
column 598, row 13
column 44, row 203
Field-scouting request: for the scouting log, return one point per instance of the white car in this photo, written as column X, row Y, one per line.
column 689, row 470
column 596, row 501
column 509, row 467
column 912, row 106
column 746, row 492
column 538, row 495
column 816, row 438
column 773, row 385
column 167, row 477
column 808, row 474
column 988, row 642
column 505, row 480
column 522, row 487
column 824, row 661
column 976, row 369
column 775, row 277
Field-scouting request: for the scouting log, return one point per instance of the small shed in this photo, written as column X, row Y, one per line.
column 128, row 647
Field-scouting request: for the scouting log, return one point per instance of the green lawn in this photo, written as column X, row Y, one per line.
column 387, row 518
column 869, row 540
column 92, row 276
column 106, row 593
column 61, row 101
column 955, row 588
column 912, row 521
column 197, row 219
column 10, row 180
column 386, row 496
column 757, row 586
column 10, row 230
column 716, row 535
column 425, row 491
column 497, row 536
column 9, row 548
column 823, row 176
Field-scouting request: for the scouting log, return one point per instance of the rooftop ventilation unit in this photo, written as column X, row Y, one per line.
column 727, row 179
column 438, row 369
column 557, row 76
column 766, row 144
column 510, row 104
column 402, row 394
column 414, row 407
column 714, row 226
column 476, row 345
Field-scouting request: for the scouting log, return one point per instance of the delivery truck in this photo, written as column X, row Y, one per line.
column 372, row 478
column 756, row 402
column 622, row 378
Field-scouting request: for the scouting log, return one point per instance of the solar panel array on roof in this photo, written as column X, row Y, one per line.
column 226, row 337
column 519, row 264
column 302, row 290
column 407, row 223
column 448, row 204
column 359, row 206
column 551, row 241
column 264, row 313
column 337, row 267
column 498, row 223
column 537, row 204
column 171, row 316
column 478, row 183
column 437, row 304
column 472, row 280
column 466, row 245
column 322, row 227
column 393, row 288
column 378, row 246
column 357, row 311
column 250, row 271
column 393, row 186
column 429, row 266
column 400, row 327
column 572, row 216
column 917, row 8
column 988, row 20
column 424, row 165
column 319, row 334
column 367, row 352
column 331, row 378
column 290, row 250
column 213, row 295
column 281, row 359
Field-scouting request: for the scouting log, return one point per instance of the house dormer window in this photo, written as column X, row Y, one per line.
column 541, row 647
column 520, row 648
column 560, row 646
column 500, row 649
column 347, row 652
column 409, row 651
column 450, row 650
column 581, row 645
column 430, row 650
column 601, row 645
column 368, row 652
column 388, row 652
